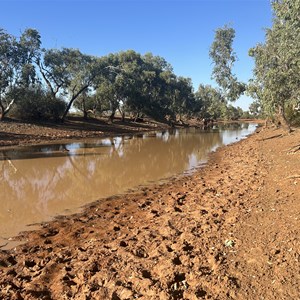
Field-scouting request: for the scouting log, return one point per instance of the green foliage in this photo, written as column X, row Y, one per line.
column 247, row 115
column 142, row 85
column 213, row 105
column 212, row 102
column 67, row 72
column 292, row 115
column 45, row 83
column 276, row 82
column 233, row 113
column 28, row 52
column 223, row 57
column 8, row 63
column 16, row 68
column 36, row 104
column 7, row 59
column 88, row 103
column 255, row 109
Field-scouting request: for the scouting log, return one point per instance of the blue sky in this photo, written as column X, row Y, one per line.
column 181, row 31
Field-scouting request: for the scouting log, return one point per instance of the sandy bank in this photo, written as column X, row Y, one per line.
column 229, row 231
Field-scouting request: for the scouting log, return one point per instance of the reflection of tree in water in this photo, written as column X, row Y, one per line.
column 141, row 160
column 31, row 179
column 26, row 192
column 245, row 125
column 229, row 126
column 42, row 187
column 122, row 164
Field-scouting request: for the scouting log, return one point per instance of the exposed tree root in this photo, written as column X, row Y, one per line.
column 272, row 137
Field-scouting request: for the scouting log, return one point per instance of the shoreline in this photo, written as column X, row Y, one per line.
column 20, row 224
column 15, row 133
column 194, row 237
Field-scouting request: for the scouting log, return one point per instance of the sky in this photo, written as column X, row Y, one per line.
column 181, row 31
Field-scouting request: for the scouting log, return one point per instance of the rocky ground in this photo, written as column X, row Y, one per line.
column 229, row 231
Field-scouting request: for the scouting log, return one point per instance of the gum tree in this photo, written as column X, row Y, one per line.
column 212, row 103
column 17, row 69
column 7, row 62
column 68, row 72
column 223, row 58
column 277, row 61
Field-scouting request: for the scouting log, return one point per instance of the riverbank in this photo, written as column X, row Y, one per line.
column 18, row 133
column 229, row 231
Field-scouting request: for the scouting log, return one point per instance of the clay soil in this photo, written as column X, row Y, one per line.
column 228, row 231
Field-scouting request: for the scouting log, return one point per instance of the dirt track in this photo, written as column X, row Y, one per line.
column 230, row 231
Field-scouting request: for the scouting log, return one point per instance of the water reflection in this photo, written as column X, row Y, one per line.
column 38, row 183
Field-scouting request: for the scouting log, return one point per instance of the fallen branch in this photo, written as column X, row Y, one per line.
column 272, row 137
column 293, row 176
column 294, row 149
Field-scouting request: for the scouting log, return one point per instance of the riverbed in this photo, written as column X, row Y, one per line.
column 229, row 230
column 44, row 181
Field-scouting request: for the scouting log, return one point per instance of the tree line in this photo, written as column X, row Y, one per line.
column 38, row 83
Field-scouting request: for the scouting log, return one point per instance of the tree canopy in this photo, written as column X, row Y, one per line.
column 127, row 82
column 276, row 82
column 43, row 83
column 223, row 57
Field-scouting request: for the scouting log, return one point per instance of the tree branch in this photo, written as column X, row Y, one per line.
column 6, row 110
column 294, row 149
column 43, row 70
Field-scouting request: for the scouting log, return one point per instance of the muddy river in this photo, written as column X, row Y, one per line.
column 41, row 182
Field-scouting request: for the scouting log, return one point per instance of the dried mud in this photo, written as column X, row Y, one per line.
column 229, row 231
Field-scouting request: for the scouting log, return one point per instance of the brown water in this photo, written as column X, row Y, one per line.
column 38, row 183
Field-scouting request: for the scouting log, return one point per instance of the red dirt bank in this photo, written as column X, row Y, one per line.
column 229, row 231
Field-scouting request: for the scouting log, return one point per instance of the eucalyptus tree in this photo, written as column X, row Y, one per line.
column 7, row 72
column 128, row 81
column 141, row 84
column 68, row 72
column 277, row 61
column 106, row 99
column 156, row 87
column 233, row 113
column 86, row 103
column 186, row 105
column 223, row 57
column 115, row 85
column 17, row 70
column 212, row 102
column 181, row 97
column 29, row 49
column 255, row 109
column 136, row 84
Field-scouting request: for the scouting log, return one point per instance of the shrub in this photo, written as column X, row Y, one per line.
column 36, row 104
column 293, row 116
